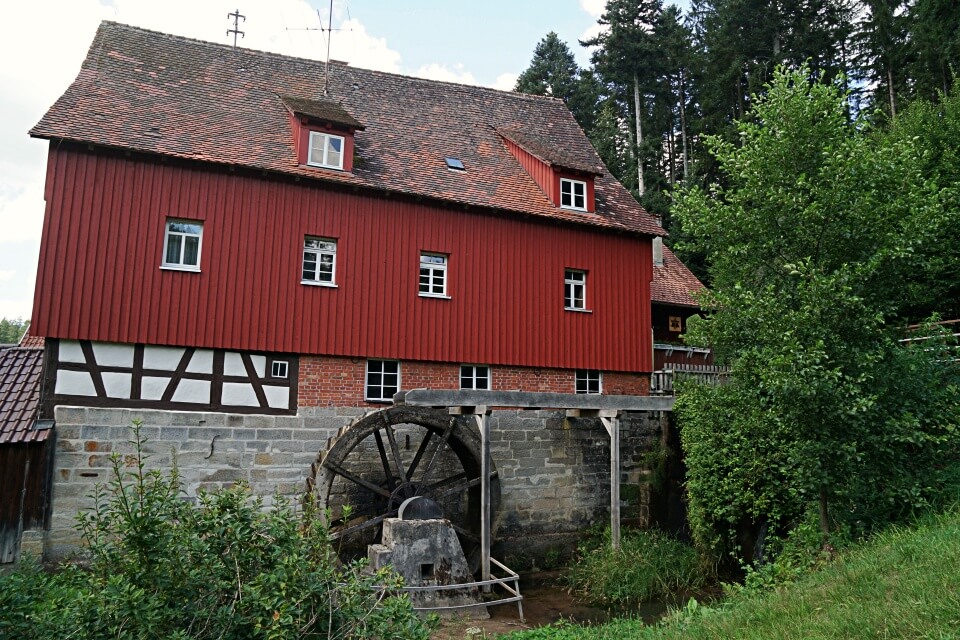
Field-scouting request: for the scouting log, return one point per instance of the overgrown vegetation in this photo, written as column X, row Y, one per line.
column 810, row 246
column 12, row 329
column 163, row 567
column 901, row 584
column 649, row 566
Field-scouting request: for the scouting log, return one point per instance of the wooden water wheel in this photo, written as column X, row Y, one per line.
column 371, row 466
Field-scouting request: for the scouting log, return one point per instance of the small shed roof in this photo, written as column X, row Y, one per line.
column 20, row 376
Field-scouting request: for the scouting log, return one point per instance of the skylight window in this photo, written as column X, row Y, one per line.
column 456, row 164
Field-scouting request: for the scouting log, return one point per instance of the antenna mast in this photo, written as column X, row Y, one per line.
column 236, row 23
column 326, row 66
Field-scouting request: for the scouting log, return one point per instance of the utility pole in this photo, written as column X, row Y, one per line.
column 236, row 23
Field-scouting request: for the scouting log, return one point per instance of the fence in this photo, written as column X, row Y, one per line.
column 662, row 382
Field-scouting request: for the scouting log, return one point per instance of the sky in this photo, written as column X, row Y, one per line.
column 43, row 43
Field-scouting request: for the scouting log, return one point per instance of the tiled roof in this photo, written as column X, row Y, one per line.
column 322, row 110
column 674, row 283
column 30, row 340
column 156, row 93
column 20, row 375
column 553, row 152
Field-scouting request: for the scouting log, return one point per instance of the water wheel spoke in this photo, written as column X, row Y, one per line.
column 392, row 437
column 380, row 491
column 440, row 445
column 453, row 485
column 372, row 522
column 419, row 454
column 383, row 458
column 466, row 533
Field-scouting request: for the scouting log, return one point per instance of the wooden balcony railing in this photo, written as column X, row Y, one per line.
column 662, row 381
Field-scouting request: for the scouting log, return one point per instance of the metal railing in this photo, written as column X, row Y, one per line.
column 513, row 592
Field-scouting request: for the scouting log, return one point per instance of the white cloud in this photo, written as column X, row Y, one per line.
column 7, row 276
column 436, row 71
column 506, row 81
column 593, row 7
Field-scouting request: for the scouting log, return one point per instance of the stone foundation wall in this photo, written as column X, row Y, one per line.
column 554, row 472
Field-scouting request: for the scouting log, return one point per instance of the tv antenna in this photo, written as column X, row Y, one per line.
column 236, row 23
column 328, row 34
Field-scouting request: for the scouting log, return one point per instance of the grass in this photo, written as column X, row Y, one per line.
column 649, row 566
column 905, row 583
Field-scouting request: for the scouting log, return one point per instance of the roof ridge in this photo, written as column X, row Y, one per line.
column 274, row 54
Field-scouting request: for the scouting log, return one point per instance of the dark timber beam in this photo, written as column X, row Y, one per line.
column 531, row 400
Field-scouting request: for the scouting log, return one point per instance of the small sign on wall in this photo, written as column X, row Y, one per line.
column 676, row 324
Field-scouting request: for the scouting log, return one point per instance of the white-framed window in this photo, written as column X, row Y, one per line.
column 319, row 261
column 181, row 245
column 575, row 290
column 279, row 369
column 383, row 379
column 588, row 381
column 326, row 150
column 433, row 275
column 573, row 194
column 473, row 376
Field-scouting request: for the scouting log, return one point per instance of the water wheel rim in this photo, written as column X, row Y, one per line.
column 457, row 434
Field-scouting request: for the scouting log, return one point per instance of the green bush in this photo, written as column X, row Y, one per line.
column 225, row 567
column 649, row 565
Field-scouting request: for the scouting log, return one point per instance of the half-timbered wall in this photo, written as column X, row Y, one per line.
column 82, row 372
column 100, row 279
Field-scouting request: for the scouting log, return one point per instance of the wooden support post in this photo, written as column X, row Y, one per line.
column 483, row 421
column 612, row 425
column 481, row 414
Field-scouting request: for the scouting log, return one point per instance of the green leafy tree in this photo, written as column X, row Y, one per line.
column 808, row 244
column 12, row 330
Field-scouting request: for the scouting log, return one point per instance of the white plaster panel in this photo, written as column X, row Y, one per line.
column 201, row 362
column 196, row 391
column 163, row 358
column 117, row 385
column 111, row 354
column 239, row 394
column 233, row 364
column 75, row 383
column 277, row 397
column 152, row 388
column 260, row 365
column 70, row 351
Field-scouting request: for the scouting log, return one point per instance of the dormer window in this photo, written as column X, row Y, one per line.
column 326, row 150
column 573, row 194
column 323, row 133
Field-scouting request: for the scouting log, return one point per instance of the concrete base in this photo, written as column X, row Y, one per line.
column 428, row 553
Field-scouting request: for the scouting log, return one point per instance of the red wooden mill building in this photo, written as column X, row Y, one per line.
column 235, row 243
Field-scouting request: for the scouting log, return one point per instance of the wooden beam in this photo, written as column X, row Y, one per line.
column 483, row 422
column 531, row 400
column 612, row 426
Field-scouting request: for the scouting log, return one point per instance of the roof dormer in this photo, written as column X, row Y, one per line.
column 565, row 179
column 323, row 133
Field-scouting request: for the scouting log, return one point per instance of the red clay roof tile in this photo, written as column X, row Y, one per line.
column 20, row 375
column 674, row 283
column 157, row 93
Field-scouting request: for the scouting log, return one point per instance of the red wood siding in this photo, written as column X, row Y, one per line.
column 99, row 275
column 541, row 173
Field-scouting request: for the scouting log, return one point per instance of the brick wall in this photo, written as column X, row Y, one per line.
column 327, row 381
